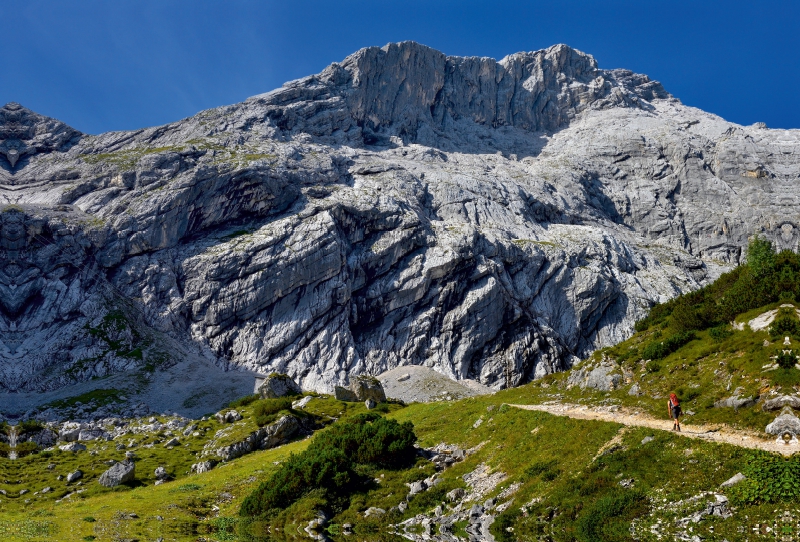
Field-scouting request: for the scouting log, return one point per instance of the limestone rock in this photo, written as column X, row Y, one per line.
column 277, row 385
column 733, row 480
column 604, row 377
column 119, row 473
column 344, row 394
column 778, row 403
column 161, row 473
column 74, row 476
column 275, row 434
column 228, row 416
column 204, row 466
column 367, row 388
column 786, row 422
column 736, row 402
column 72, row 447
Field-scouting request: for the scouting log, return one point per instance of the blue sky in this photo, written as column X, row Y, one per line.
column 119, row 64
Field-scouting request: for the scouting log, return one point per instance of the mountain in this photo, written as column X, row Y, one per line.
column 493, row 220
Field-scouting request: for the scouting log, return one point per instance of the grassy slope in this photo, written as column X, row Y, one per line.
column 553, row 458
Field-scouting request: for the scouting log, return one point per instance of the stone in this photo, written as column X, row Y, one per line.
column 416, row 487
column 635, row 390
column 786, row 422
column 403, row 377
column 736, row 402
column 604, row 377
column 203, row 466
column 120, row 473
column 74, row 476
column 302, row 403
column 277, row 433
column 367, row 190
column 374, row 511
column 366, row 387
column 161, row 473
column 344, row 394
column 733, row 480
column 778, row 403
column 647, row 439
column 456, row 494
column 172, row 442
column 370, row 404
column 228, row 416
column 277, row 385
column 72, row 447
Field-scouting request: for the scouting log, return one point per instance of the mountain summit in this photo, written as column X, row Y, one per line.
column 492, row 220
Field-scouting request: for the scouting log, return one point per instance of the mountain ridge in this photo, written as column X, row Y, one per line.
column 355, row 220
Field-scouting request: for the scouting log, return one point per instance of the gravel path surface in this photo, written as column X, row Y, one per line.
column 714, row 433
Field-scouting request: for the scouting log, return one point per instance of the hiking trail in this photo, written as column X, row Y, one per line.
column 710, row 432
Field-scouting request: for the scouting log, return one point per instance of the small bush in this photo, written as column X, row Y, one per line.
column 541, row 468
column 331, row 462
column 26, row 448
column 786, row 359
column 29, row 426
column 608, row 518
column 720, row 333
column 652, row 366
column 769, row 479
column 661, row 349
column 785, row 325
column 243, row 401
column 266, row 410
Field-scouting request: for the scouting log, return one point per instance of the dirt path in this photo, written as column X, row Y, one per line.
column 713, row 433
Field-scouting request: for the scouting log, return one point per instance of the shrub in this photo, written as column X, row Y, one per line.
column 243, row 401
column 720, row 333
column 661, row 349
column 331, row 462
column 29, row 426
column 769, row 479
column 26, row 448
column 266, row 410
column 785, row 324
column 608, row 518
column 786, row 359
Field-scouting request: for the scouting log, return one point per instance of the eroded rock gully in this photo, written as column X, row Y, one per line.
column 493, row 220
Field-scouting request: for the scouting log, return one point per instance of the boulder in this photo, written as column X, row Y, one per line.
column 69, row 432
column 373, row 511
column 228, row 416
column 72, row 447
column 367, row 387
column 277, row 433
column 779, row 402
column 74, row 476
column 277, row 385
column 204, row 466
column 736, row 402
column 301, row 403
column 120, row 473
column 370, row 404
column 161, row 473
column 733, row 480
column 344, row 394
column 786, row 422
column 603, row 377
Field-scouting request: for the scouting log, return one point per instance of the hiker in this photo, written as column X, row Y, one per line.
column 674, row 407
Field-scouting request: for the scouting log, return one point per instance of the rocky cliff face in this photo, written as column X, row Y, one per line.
column 494, row 220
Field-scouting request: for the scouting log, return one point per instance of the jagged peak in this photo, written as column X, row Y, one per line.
column 24, row 132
